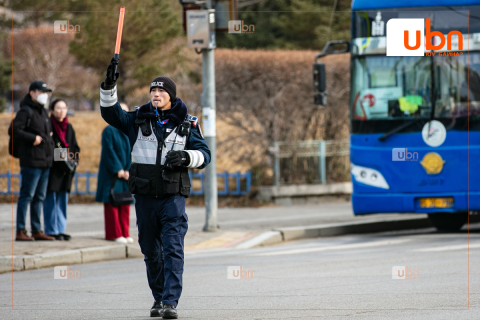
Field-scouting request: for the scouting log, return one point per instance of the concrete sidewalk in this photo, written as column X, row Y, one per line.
column 241, row 228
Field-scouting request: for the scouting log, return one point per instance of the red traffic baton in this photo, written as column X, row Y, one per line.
column 119, row 32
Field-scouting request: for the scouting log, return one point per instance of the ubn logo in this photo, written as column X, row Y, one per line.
column 402, row 273
column 402, row 154
column 63, row 154
column 237, row 26
column 238, row 273
column 64, row 273
column 64, row 26
column 414, row 40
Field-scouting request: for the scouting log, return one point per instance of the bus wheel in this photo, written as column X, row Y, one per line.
column 445, row 221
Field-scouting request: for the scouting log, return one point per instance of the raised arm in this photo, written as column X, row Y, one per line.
column 110, row 109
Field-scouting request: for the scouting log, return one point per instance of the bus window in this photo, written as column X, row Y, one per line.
column 457, row 85
column 390, row 87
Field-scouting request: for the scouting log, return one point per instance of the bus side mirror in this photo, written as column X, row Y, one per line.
column 319, row 84
column 319, row 77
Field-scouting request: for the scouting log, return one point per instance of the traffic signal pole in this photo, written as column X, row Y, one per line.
column 200, row 29
column 209, row 121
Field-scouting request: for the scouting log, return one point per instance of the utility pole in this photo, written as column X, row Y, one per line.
column 208, row 103
column 209, row 119
column 200, row 29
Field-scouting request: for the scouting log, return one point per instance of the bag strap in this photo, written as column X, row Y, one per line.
column 29, row 117
column 113, row 184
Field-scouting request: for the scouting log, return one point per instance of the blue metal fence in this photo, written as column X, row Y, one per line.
column 240, row 189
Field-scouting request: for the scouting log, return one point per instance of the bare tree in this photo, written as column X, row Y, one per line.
column 41, row 54
column 268, row 96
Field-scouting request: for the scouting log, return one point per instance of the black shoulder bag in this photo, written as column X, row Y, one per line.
column 120, row 198
column 68, row 164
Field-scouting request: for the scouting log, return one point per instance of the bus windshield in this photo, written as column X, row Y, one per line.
column 408, row 87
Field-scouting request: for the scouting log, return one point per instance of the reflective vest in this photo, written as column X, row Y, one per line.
column 148, row 173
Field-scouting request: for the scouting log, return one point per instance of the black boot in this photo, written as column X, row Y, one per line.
column 169, row 312
column 66, row 237
column 56, row 236
column 157, row 309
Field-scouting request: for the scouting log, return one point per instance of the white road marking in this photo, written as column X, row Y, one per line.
column 450, row 248
column 336, row 247
column 257, row 240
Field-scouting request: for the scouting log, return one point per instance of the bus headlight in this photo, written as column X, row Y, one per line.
column 369, row 177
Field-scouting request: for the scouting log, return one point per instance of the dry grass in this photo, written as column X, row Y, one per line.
column 88, row 129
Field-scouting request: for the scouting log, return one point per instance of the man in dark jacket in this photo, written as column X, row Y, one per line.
column 165, row 142
column 36, row 157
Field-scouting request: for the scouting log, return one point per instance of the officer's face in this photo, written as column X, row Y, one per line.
column 161, row 98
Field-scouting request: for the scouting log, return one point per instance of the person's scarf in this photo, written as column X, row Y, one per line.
column 60, row 129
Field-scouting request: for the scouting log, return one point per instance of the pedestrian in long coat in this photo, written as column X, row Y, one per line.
column 113, row 171
column 61, row 176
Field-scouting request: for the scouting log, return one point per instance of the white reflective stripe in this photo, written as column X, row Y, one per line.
column 108, row 98
column 192, row 159
column 139, row 152
column 196, row 158
column 164, row 156
column 145, row 148
column 172, row 142
column 144, row 160
column 146, row 144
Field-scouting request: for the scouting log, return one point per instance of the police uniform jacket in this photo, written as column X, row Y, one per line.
column 150, row 143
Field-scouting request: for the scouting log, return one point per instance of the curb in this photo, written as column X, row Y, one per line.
column 68, row 257
column 338, row 229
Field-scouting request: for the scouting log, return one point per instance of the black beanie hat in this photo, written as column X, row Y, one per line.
column 166, row 84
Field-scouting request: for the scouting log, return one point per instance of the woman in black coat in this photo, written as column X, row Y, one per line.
column 61, row 175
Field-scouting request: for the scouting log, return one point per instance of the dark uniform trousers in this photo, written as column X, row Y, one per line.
column 162, row 225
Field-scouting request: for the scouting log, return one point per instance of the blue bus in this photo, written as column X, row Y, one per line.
column 414, row 120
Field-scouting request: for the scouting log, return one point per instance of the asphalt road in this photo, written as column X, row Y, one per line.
column 341, row 277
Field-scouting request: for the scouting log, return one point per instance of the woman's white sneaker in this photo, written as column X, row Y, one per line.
column 121, row 240
column 130, row 240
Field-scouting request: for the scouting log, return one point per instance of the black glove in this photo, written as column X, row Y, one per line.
column 112, row 76
column 176, row 158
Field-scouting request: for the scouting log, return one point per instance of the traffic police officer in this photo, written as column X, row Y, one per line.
column 165, row 142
